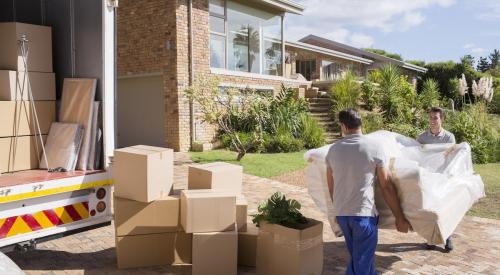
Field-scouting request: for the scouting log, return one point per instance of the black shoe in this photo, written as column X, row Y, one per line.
column 430, row 246
column 449, row 245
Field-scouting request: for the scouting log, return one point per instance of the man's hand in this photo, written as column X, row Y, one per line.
column 402, row 225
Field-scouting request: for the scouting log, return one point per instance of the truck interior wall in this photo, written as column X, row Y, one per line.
column 76, row 35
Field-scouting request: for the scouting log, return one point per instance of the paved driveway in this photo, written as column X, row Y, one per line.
column 477, row 245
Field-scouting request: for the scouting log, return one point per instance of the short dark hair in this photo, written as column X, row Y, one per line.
column 438, row 110
column 350, row 118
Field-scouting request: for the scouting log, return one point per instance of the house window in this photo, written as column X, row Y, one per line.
column 217, row 34
column 306, row 68
column 243, row 38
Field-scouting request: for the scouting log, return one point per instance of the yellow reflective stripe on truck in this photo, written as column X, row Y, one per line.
column 53, row 191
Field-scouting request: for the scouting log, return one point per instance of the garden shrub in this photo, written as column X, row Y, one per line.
column 282, row 142
column 369, row 95
column 429, row 96
column 346, row 92
column 311, row 133
column 372, row 122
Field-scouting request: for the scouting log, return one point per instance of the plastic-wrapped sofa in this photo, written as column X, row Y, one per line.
column 436, row 184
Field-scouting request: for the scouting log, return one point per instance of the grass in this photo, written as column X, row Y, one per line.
column 488, row 207
column 262, row 165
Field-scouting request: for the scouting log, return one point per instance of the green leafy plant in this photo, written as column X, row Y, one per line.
column 279, row 210
column 282, row 142
column 372, row 122
column 311, row 132
column 429, row 96
column 369, row 95
column 346, row 92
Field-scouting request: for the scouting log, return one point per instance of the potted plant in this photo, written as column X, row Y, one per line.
column 288, row 242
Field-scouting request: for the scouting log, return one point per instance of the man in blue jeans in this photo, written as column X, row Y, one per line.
column 355, row 163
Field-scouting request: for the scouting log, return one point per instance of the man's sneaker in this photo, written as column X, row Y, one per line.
column 449, row 245
column 430, row 246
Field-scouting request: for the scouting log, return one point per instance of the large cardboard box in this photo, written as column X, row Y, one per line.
column 14, row 84
column 247, row 245
column 143, row 173
column 139, row 218
column 217, row 176
column 39, row 44
column 207, row 211
column 241, row 213
column 283, row 250
column 18, row 114
column 20, row 154
column 153, row 249
column 215, row 253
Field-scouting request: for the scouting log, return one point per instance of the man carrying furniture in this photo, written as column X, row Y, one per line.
column 436, row 134
column 354, row 164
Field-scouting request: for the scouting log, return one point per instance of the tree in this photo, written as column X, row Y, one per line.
column 468, row 60
column 483, row 65
column 384, row 53
column 429, row 97
column 495, row 59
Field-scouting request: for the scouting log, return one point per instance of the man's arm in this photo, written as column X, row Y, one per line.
column 329, row 179
column 392, row 200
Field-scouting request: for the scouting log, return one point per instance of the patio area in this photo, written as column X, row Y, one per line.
column 477, row 243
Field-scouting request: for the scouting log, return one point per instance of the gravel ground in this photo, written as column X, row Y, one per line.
column 296, row 178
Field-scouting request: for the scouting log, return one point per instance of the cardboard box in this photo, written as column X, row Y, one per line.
column 215, row 253
column 247, row 245
column 207, row 211
column 13, row 84
column 20, row 154
column 139, row 218
column 143, row 173
column 39, row 43
column 241, row 213
column 18, row 114
column 217, row 176
column 283, row 250
column 153, row 249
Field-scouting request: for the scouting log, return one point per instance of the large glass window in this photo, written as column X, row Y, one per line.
column 252, row 38
column 217, row 34
column 306, row 68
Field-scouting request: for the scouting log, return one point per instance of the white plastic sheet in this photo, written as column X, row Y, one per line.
column 436, row 184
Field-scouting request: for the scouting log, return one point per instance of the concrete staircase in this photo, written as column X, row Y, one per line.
column 320, row 108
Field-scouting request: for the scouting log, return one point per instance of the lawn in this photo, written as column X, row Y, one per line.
column 262, row 165
column 488, row 207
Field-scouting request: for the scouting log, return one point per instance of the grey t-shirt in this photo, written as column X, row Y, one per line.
column 353, row 161
column 442, row 137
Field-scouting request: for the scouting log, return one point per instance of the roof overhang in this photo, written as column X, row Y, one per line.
column 414, row 67
column 329, row 52
column 283, row 5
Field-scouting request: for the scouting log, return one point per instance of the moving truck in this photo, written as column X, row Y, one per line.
column 36, row 205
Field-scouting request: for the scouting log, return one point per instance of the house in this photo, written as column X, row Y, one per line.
column 163, row 46
column 376, row 60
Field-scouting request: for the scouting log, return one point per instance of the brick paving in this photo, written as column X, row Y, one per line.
column 477, row 244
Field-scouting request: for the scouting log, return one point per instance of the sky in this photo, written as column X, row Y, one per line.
column 429, row 30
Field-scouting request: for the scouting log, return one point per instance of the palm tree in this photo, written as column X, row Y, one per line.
column 249, row 37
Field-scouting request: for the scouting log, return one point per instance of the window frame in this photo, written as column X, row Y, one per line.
column 224, row 17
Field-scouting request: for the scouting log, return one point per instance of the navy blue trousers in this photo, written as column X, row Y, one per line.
column 361, row 237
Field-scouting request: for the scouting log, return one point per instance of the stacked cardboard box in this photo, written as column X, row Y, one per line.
column 216, row 212
column 147, row 221
column 20, row 148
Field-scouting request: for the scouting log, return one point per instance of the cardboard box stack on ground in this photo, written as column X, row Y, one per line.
column 284, row 250
column 213, row 209
column 147, row 223
column 20, row 149
column 247, row 245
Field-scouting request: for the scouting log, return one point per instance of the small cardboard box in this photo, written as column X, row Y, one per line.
column 215, row 253
column 153, row 249
column 247, row 246
column 139, row 218
column 207, row 211
column 143, row 173
column 14, row 84
column 241, row 213
column 283, row 250
column 217, row 176
column 21, row 153
column 39, row 44
column 18, row 115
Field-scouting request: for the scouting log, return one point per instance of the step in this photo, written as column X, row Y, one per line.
column 319, row 100
column 321, row 114
column 320, row 105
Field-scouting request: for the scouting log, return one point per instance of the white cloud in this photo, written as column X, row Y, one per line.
column 478, row 51
column 469, row 45
column 331, row 18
